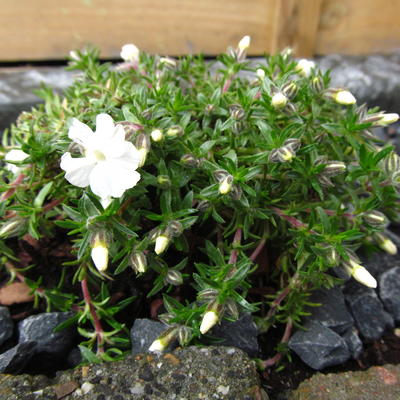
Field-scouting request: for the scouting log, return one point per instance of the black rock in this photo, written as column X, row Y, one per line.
column 369, row 315
column 16, row 358
column 389, row 291
column 143, row 333
column 74, row 357
column 332, row 312
column 318, row 346
column 40, row 328
column 241, row 334
column 6, row 325
column 354, row 343
column 378, row 263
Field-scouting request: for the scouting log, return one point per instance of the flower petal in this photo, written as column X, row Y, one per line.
column 79, row 132
column 112, row 178
column 125, row 152
column 104, row 126
column 77, row 169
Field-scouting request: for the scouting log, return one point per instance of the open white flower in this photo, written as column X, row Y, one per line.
column 15, row 155
column 130, row 53
column 109, row 161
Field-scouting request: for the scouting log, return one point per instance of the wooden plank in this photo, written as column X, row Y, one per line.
column 48, row 29
column 359, row 27
column 296, row 26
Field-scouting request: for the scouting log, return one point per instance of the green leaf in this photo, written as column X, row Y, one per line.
column 38, row 202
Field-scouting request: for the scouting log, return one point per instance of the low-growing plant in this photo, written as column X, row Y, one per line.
column 199, row 189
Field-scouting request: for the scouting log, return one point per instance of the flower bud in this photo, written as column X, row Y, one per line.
column 210, row 318
column 290, row 90
column 161, row 343
column 236, row 192
column 174, row 229
column 260, row 73
column 138, row 262
column 236, row 111
column 190, row 161
column 207, row 294
column 279, row 100
column 286, row 52
column 99, row 252
column 392, row 163
column 333, row 168
column 166, row 317
column 12, row 228
column 174, row 131
column 342, row 96
column 209, row 108
column 361, row 275
column 168, row 62
column 283, row 154
column 130, row 128
column 184, row 335
column 374, row 218
column 157, row 135
column 203, row 205
column 231, row 309
column 331, row 255
column 293, row 144
column 164, row 181
column 130, row 53
column 225, row 185
column 173, row 278
column 162, row 242
column 385, row 244
column 380, row 119
column 244, row 43
column 143, row 146
column 304, row 67
column 317, row 84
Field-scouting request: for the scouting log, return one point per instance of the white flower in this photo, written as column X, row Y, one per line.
column 109, row 161
column 344, row 97
column 15, row 155
column 210, row 318
column 304, row 67
column 279, row 100
column 130, row 53
column 244, row 43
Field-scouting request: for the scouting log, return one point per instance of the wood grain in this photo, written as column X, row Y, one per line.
column 49, row 29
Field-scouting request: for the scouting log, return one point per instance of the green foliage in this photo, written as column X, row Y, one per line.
column 257, row 202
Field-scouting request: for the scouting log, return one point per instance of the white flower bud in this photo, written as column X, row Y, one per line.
column 210, row 318
column 304, row 67
column 161, row 343
column 162, row 242
column 260, row 73
column 99, row 254
column 344, row 97
column 385, row 244
column 362, row 275
column 226, row 185
column 279, row 100
column 387, row 119
column 244, row 43
column 143, row 155
column 130, row 53
column 157, row 135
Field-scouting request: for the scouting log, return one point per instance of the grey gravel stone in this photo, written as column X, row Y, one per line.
column 16, row 358
column 389, row 291
column 318, row 346
column 353, row 342
column 40, row 328
column 332, row 312
column 6, row 325
column 370, row 317
column 193, row 373
column 241, row 334
column 143, row 333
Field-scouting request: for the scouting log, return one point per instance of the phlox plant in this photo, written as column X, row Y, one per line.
column 193, row 192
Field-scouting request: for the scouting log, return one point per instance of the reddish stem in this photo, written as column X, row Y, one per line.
column 227, row 85
column 292, row 220
column 275, row 304
column 236, row 241
column 52, row 204
column 258, row 249
column 13, row 185
column 97, row 324
column 12, row 270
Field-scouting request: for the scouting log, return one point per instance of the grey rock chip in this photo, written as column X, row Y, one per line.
column 241, row 334
column 16, row 358
column 143, row 333
column 380, row 262
column 332, row 312
column 389, row 291
column 6, row 325
column 191, row 373
column 318, row 346
column 370, row 317
column 40, row 328
column 354, row 343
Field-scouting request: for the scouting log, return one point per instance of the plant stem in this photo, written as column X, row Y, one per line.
column 258, row 249
column 97, row 324
column 236, row 241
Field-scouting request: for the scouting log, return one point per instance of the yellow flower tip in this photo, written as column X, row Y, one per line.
column 157, row 135
column 161, row 244
column 244, row 43
column 210, row 318
column 225, row 186
column 143, row 155
column 344, row 97
column 279, row 100
column 388, row 119
column 304, row 67
column 99, row 255
column 286, row 154
column 388, row 246
column 157, row 346
column 362, row 275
